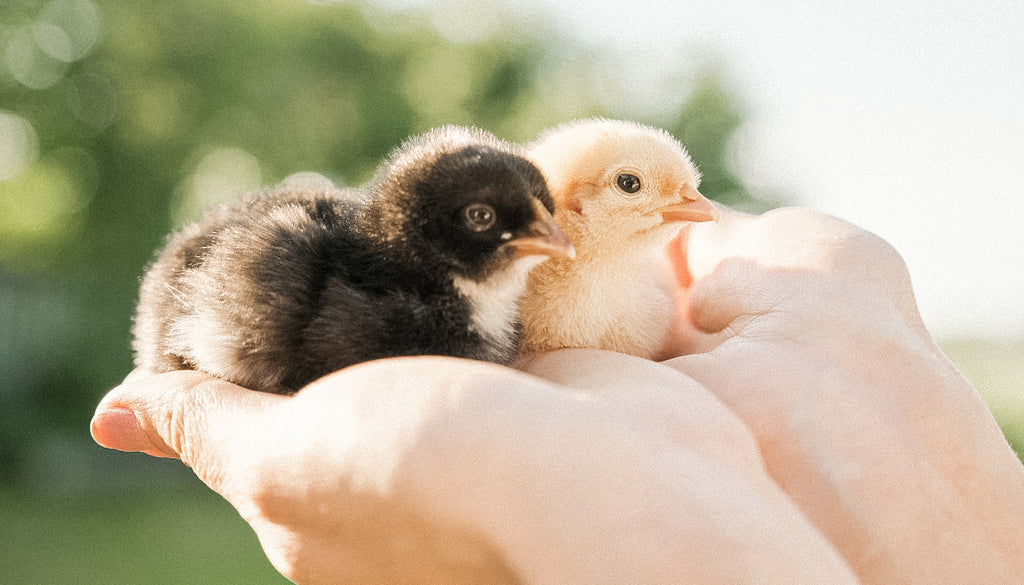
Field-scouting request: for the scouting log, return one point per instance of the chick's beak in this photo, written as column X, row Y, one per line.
column 692, row 207
column 543, row 237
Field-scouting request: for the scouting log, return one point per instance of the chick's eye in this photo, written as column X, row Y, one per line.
column 479, row 216
column 628, row 183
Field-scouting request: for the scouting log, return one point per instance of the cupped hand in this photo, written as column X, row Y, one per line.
column 806, row 328
column 593, row 467
column 830, row 412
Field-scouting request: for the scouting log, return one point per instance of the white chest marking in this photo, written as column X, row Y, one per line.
column 494, row 302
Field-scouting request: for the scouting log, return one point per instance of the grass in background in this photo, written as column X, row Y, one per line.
column 997, row 370
column 161, row 537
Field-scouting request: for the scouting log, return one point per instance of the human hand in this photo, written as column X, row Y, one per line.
column 807, row 329
column 596, row 468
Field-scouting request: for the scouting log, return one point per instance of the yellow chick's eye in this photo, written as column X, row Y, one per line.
column 479, row 216
column 628, row 183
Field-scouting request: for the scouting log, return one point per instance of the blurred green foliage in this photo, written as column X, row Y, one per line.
column 121, row 120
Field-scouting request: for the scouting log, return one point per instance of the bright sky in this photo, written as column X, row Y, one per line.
column 906, row 118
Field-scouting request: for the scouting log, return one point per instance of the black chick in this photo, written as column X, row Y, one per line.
column 430, row 257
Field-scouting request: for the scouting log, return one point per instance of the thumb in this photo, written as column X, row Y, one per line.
column 735, row 288
column 721, row 282
column 185, row 414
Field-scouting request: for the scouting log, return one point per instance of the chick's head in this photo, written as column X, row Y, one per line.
column 466, row 199
column 619, row 179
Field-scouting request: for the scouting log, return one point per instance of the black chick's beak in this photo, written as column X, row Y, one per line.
column 542, row 237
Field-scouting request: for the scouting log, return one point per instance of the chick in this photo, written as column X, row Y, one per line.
column 622, row 192
column 429, row 257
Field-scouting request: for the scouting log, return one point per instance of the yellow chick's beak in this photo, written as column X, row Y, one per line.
column 694, row 207
column 543, row 237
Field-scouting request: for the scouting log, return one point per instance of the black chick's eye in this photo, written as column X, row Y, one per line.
column 628, row 183
column 479, row 216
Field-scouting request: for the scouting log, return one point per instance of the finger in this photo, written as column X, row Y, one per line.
column 119, row 428
column 136, row 374
column 185, row 414
column 693, row 255
column 662, row 400
column 727, row 281
column 707, row 243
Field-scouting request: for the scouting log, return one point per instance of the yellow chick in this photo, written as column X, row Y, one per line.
column 622, row 192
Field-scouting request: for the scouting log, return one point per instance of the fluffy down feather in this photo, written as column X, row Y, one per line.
column 622, row 192
column 278, row 289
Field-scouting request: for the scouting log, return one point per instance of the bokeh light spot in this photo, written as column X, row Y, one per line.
column 37, row 210
column 68, row 29
column 222, row 175
column 29, row 64
column 18, row 145
column 53, row 41
column 307, row 180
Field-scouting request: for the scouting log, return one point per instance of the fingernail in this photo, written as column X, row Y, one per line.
column 119, row 428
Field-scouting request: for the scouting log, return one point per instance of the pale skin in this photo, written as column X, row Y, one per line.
column 814, row 434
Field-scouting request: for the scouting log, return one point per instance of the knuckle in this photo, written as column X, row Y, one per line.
column 179, row 425
column 833, row 242
column 288, row 552
column 183, row 425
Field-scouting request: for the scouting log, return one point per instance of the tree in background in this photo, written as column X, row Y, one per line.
column 121, row 120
